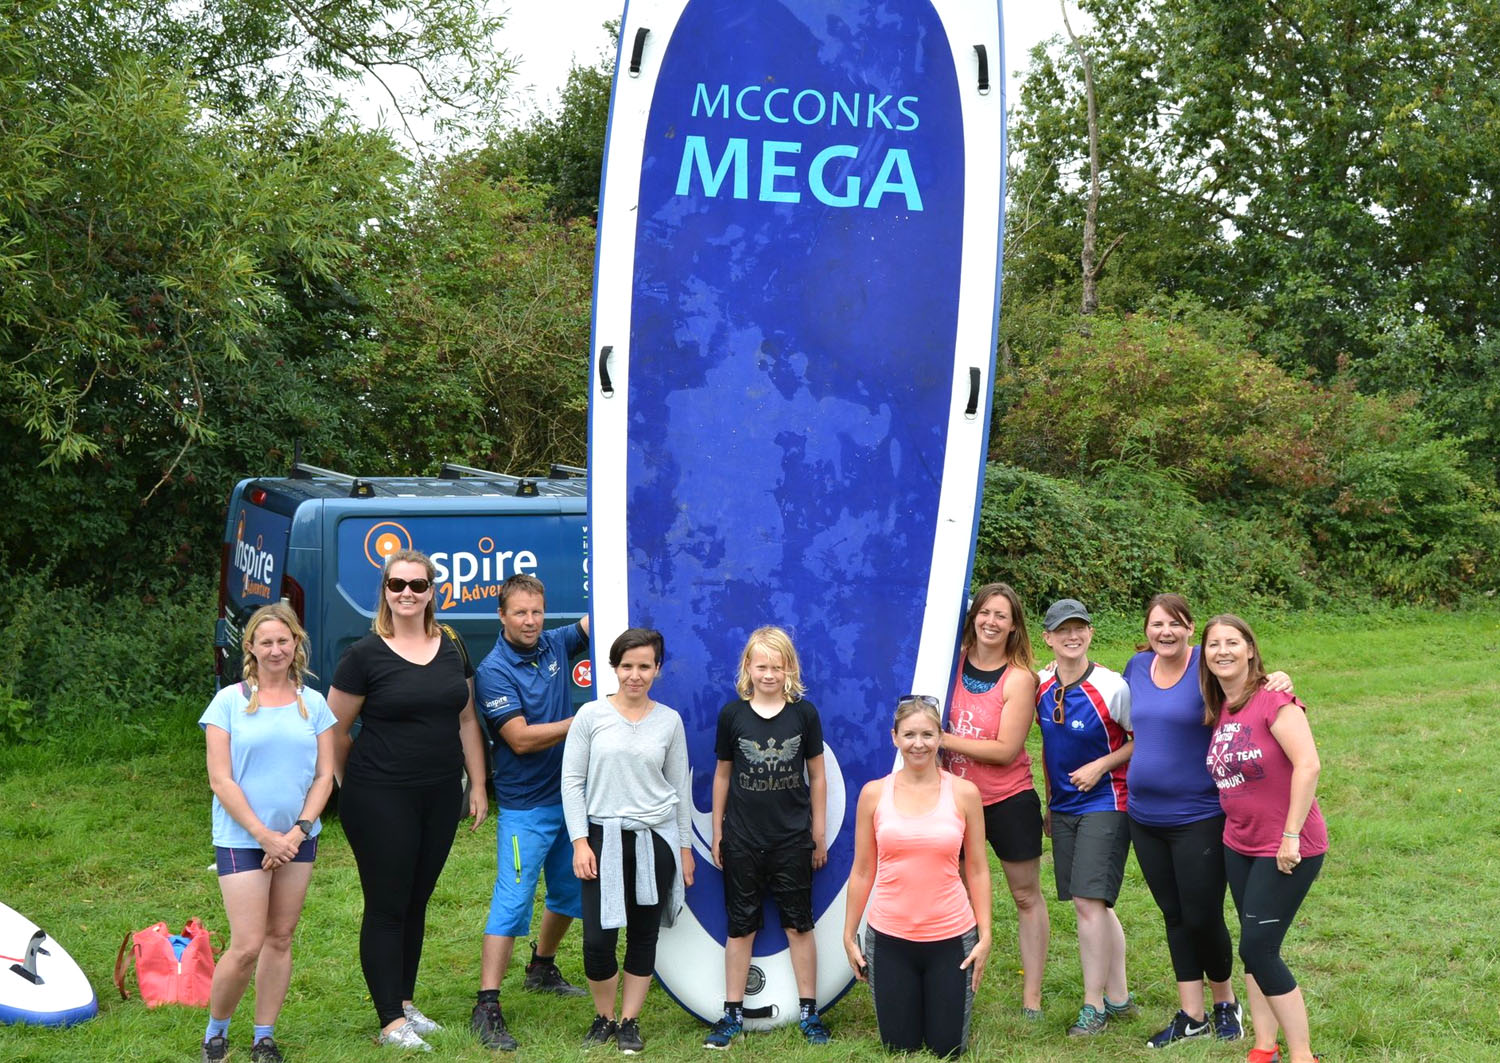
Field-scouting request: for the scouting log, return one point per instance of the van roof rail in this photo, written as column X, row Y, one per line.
column 358, row 488
column 525, row 488
column 563, row 472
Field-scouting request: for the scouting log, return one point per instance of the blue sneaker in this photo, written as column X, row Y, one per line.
column 1229, row 1021
column 1183, row 1026
column 724, row 1032
column 814, row 1030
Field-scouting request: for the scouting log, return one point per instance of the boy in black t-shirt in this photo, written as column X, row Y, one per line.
column 768, row 819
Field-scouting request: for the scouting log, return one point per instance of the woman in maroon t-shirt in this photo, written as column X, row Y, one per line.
column 1265, row 764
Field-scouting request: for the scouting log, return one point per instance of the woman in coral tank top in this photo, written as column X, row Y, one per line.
column 923, row 961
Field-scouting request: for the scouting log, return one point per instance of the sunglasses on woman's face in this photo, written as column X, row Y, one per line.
column 1059, row 692
column 395, row 584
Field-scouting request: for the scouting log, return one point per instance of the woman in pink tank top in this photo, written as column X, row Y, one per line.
column 990, row 712
column 928, row 934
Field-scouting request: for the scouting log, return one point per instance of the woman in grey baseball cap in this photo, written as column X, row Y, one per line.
column 1083, row 710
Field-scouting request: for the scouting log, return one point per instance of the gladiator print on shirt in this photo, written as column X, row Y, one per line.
column 769, row 803
column 767, row 767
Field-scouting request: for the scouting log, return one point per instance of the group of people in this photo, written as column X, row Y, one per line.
column 1195, row 755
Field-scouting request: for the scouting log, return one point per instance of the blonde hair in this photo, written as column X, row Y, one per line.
column 250, row 667
column 771, row 640
column 384, row 625
column 913, row 704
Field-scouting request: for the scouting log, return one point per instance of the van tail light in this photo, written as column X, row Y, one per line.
column 292, row 591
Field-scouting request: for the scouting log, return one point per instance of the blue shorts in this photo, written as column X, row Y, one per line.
column 233, row 861
column 530, row 842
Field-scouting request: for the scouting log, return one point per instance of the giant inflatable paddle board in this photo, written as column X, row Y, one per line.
column 40, row 985
column 794, row 328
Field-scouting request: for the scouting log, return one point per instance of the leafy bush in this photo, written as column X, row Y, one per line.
column 1355, row 494
column 1125, row 535
column 75, row 662
column 1404, row 518
column 1180, row 390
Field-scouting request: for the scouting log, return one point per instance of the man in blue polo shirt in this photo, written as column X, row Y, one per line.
column 521, row 688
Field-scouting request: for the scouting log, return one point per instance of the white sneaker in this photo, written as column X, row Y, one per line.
column 405, row 1036
column 419, row 1022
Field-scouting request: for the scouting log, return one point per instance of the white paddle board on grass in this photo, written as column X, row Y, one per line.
column 40, row 985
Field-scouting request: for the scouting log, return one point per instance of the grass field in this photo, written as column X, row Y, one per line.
column 1395, row 947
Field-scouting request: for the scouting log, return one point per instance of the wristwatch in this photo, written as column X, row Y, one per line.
column 306, row 825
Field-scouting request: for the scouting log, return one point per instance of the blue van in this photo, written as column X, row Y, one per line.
column 318, row 539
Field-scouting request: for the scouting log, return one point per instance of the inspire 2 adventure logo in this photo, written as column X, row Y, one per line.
column 254, row 564
column 464, row 575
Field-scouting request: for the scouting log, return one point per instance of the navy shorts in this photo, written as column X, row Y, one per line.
column 233, row 861
column 750, row 875
column 1013, row 827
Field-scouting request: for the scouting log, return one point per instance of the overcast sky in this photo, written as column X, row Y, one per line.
column 547, row 36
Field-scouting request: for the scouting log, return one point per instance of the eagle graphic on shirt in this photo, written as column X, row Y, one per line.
column 769, row 755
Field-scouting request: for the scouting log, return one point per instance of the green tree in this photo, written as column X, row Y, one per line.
column 1325, row 164
column 563, row 151
column 183, row 270
column 481, row 348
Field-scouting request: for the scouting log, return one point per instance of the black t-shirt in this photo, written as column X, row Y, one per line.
column 769, row 801
column 409, row 723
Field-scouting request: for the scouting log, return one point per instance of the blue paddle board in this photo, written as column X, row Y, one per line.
column 40, row 985
column 794, row 330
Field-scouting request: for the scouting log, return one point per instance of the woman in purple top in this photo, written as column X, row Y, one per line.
column 1176, row 824
column 1265, row 764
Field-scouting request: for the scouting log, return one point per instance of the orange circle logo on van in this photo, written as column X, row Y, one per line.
column 486, row 545
column 383, row 540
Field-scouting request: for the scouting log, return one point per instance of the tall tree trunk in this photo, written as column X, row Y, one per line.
column 1092, row 263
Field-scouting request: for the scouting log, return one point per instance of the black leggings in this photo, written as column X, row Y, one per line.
column 1184, row 867
column 1267, row 902
column 400, row 839
column 922, row 997
column 642, row 921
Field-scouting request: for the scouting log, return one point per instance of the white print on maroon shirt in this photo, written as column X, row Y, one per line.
column 961, row 725
column 1234, row 755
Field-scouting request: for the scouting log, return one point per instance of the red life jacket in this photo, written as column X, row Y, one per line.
column 161, row 976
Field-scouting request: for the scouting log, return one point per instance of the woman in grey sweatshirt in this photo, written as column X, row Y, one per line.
column 626, row 791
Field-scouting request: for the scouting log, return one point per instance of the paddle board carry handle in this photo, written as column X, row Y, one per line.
column 984, row 69
column 972, row 409
column 606, row 386
column 636, row 49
